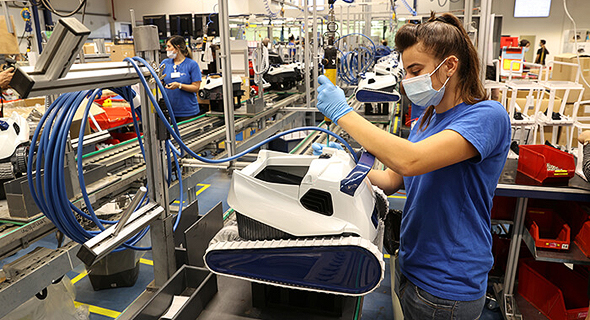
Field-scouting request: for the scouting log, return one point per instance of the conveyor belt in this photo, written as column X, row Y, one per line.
column 125, row 167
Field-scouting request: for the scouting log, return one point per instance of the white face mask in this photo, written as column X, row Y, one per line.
column 420, row 91
column 171, row 54
column 526, row 49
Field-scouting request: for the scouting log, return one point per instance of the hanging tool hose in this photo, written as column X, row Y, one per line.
column 330, row 54
column 355, row 63
column 47, row 183
column 260, row 63
column 269, row 10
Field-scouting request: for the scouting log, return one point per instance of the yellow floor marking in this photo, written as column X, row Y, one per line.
column 98, row 310
column 204, row 187
column 79, row 277
column 146, row 261
column 397, row 197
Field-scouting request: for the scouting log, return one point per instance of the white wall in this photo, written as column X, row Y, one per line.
column 551, row 28
column 96, row 19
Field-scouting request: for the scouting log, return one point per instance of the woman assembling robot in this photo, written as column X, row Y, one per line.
column 449, row 167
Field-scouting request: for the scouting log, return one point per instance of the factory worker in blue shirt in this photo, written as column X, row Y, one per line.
column 182, row 79
column 450, row 166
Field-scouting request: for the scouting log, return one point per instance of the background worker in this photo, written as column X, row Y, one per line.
column 182, row 80
column 541, row 53
column 525, row 45
column 449, row 166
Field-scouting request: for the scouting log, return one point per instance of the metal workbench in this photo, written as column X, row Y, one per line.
column 200, row 134
column 517, row 185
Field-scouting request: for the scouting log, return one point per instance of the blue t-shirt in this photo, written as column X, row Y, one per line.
column 446, row 238
column 184, row 103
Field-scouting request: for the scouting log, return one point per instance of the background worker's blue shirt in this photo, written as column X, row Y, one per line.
column 446, row 236
column 184, row 103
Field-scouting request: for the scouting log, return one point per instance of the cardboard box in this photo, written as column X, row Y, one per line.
column 562, row 133
column 77, row 121
column 583, row 111
column 24, row 107
column 568, row 73
column 89, row 48
column 544, row 104
column 562, row 136
column 121, row 51
column 8, row 41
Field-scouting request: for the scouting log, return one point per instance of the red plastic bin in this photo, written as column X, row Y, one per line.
column 533, row 161
column 583, row 239
column 554, row 289
column 113, row 117
column 548, row 229
column 503, row 208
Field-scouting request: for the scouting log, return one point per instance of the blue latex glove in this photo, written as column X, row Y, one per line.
column 331, row 100
column 318, row 147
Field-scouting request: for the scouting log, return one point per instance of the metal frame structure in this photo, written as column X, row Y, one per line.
column 78, row 77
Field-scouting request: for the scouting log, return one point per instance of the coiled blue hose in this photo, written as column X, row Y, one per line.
column 354, row 63
column 49, row 188
column 268, row 10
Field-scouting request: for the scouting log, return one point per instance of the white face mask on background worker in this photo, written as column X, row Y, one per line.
column 171, row 54
column 420, row 91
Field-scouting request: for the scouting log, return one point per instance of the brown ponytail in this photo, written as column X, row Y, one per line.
column 443, row 36
column 179, row 43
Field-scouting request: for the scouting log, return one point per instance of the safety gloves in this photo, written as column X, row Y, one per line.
column 331, row 100
column 318, row 147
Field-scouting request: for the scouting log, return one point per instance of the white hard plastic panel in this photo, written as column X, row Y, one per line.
column 9, row 138
column 382, row 81
column 269, row 204
column 278, row 205
column 212, row 83
column 282, row 69
column 273, row 158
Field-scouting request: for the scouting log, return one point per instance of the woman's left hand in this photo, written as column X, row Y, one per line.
column 173, row 85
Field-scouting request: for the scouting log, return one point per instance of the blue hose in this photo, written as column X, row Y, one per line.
column 184, row 147
column 355, row 63
column 49, row 188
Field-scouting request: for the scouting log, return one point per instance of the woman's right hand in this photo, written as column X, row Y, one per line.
column 173, row 85
column 331, row 100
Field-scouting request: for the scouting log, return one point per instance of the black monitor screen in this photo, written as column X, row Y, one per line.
column 213, row 25
column 181, row 24
column 198, row 26
column 159, row 21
